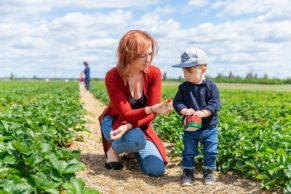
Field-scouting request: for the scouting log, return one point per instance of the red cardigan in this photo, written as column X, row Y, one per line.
column 119, row 107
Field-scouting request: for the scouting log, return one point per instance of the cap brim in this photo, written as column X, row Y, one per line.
column 184, row 65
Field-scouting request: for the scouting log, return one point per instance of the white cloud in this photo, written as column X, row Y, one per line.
column 57, row 42
column 241, row 46
column 197, row 3
column 239, row 7
column 155, row 25
column 66, row 40
column 36, row 6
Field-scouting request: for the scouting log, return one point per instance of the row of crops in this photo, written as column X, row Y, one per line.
column 38, row 121
column 254, row 133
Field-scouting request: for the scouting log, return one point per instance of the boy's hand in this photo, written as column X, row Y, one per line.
column 187, row 111
column 199, row 113
column 190, row 111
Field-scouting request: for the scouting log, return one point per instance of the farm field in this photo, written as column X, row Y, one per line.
column 40, row 120
column 239, row 86
column 254, row 131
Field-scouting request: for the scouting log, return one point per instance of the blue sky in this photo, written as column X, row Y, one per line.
column 47, row 38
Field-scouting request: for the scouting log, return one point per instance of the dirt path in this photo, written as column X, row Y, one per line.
column 130, row 180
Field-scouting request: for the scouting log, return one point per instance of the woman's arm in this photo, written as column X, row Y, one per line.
column 119, row 99
column 118, row 133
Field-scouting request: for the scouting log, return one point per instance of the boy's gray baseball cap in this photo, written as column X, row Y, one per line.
column 192, row 57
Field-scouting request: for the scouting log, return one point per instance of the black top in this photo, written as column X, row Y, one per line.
column 199, row 97
column 137, row 103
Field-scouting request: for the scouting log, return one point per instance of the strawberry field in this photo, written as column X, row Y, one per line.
column 254, row 133
column 38, row 122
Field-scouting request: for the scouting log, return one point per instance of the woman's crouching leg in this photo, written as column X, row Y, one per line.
column 132, row 141
column 150, row 160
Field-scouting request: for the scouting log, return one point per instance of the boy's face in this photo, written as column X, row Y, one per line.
column 194, row 74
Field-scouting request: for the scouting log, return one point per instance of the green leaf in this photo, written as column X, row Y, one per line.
column 262, row 176
column 72, row 168
column 22, row 147
column 10, row 159
column 59, row 165
column 90, row 191
column 16, row 184
column 42, row 182
column 270, row 150
column 53, row 191
column 281, row 159
column 75, row 186
column 45, row 147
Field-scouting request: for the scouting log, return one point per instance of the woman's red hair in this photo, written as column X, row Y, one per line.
column 131, row 46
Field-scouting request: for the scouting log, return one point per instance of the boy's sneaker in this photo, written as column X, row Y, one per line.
column 188, row 177
column 208, row 177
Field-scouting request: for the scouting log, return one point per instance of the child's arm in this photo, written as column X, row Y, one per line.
column 213, row 104
column 203, row 113
column 178, row 102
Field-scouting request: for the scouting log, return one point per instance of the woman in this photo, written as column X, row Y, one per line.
column 134, row 89
column 87, row 75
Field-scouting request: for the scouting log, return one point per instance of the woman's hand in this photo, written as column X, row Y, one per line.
column 162, row 108
column 120, row 131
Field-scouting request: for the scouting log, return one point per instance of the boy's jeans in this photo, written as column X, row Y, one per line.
column 134, row 141
column 209, row 139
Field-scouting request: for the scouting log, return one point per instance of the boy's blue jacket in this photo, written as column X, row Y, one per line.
column 199, row 97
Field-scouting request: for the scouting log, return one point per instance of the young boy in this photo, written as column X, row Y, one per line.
column 198, row 96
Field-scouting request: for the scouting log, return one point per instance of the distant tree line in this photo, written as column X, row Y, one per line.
column 231, row 78
column 220, row 78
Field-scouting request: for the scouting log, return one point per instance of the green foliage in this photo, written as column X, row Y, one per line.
column 77, row 186
column 255, row 136
column 37, row 123
column 254, row 133
column 250, row 78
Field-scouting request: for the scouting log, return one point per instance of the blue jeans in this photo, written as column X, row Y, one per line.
column 209, row 140
column 87, row 84
column 134, row 141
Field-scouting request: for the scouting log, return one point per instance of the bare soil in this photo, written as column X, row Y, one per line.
column 130, row 179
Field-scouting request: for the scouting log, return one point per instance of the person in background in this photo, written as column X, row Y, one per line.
column 87, row 76
column 82, row 80
column 198, row 96
column 134, row 88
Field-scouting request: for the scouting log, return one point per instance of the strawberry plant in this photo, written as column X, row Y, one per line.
column 34, row 135
column 254, row 133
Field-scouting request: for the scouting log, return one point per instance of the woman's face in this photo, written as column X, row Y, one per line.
column 193, row 74
column 143, row 61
